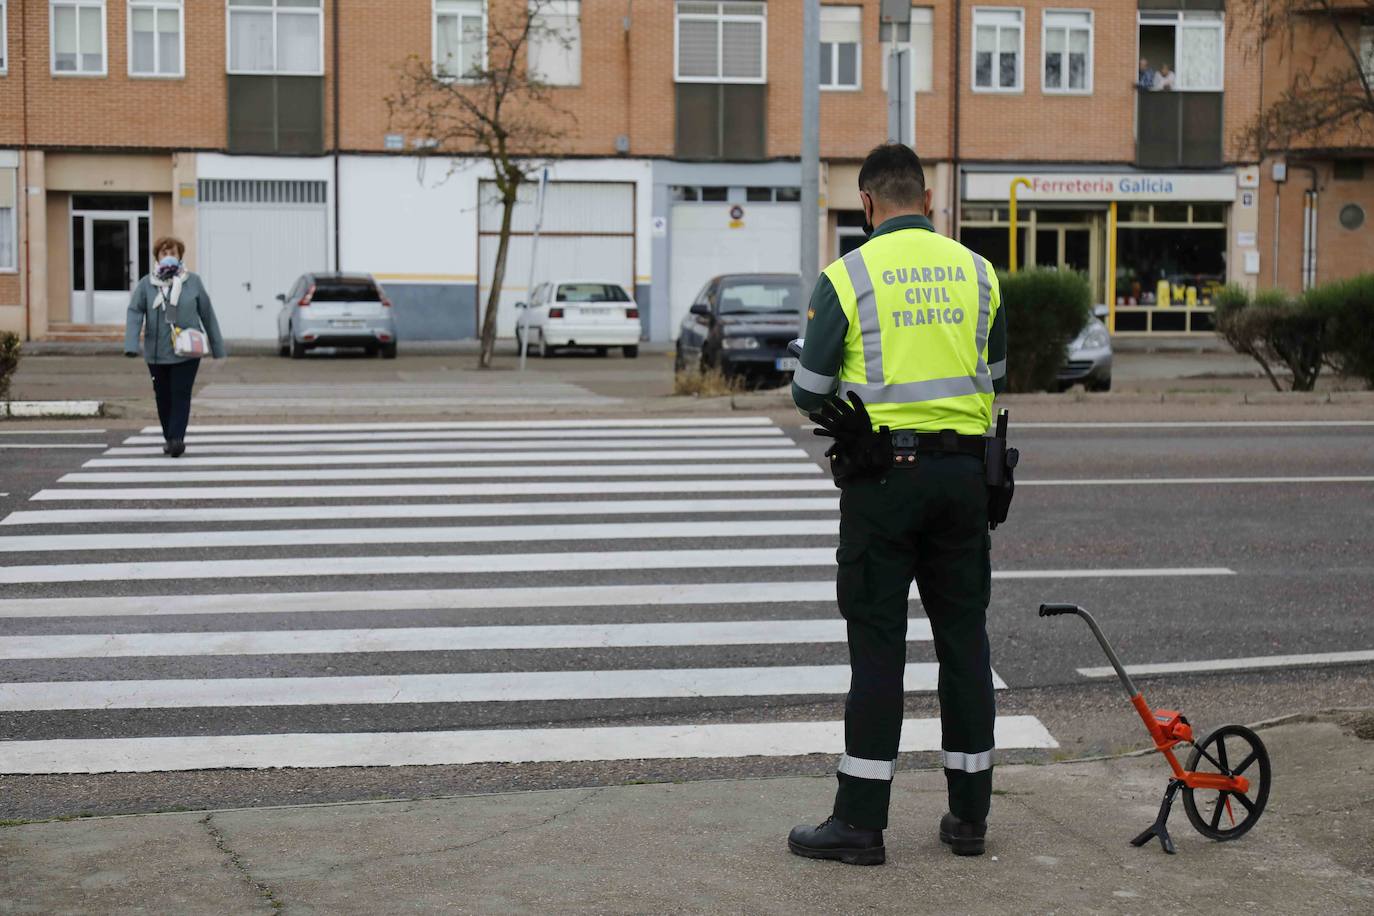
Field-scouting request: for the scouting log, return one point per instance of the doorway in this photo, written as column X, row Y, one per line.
column 111, row 248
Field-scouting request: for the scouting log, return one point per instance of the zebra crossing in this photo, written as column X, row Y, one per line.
column 384, row 594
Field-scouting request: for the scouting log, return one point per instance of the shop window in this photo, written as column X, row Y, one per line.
column 1068, row 44
column 721, row 121
column 994, row 243
column 720, row 42
column 556, row 43
column 77, row 28
column 998, row 42
column 155, row 38
column 460, row 38
column 276, row 36
column 919, row 39
column 1156, row 266
column 841, row 37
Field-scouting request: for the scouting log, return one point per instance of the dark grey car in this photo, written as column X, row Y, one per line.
column 741, row 324
column 335, row 310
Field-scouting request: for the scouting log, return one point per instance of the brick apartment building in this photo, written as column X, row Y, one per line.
column 214, row 120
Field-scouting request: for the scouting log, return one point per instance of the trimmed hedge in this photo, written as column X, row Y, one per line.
column 10, row 348
column 1047, row 308
column 1330, row 326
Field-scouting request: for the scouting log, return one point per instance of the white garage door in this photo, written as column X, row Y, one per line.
column 588, row 233
column 255, row 238
column 705, row 242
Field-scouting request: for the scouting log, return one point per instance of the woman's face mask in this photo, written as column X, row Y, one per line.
column 169, row 263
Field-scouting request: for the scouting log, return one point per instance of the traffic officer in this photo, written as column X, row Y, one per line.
column 909, row 328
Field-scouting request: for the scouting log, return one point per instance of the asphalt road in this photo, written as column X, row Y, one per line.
column 1180, row 571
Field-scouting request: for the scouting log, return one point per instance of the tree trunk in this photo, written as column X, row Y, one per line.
column 498, row 277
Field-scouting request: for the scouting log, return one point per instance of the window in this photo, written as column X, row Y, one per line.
column 155, row 38
column 556, row 44
column 590, row 292
column 1367, row 51
column 720, row 42
column 1183, row 51
column 9, row 225
column 919, row 38
column 460, row 37
column 276, row 36
column 998, row 40
column 841, row 35
column 78, row 36
column 1068, row 43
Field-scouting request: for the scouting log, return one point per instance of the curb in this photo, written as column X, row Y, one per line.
column 52, row 409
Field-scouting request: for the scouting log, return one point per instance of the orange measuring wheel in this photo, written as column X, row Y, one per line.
column 1226, row 783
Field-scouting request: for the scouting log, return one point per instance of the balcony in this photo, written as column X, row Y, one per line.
column 1178, row 130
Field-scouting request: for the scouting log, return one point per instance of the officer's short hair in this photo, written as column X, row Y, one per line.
column 892, row 173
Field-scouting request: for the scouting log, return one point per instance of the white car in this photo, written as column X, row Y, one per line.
column 579, row 313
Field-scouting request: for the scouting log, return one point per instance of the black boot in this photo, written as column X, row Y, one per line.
column 835, row 839
column 964, row 838
column 176, row 448
column 167, row 446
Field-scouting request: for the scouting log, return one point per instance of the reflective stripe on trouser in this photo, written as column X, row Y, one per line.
column 968, row 763
column 928, row 523
column 860, row 768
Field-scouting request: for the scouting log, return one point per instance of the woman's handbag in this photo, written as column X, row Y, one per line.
column 189, row 342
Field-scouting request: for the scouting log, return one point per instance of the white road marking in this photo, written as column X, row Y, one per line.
column 169, row 468
column 501, row 687
column 1194, row 424
column 687, row 507
column 49, row 445
column 466, row 534
column 1180, row 481
column 1238, row 664
column 560, row 596
column 487, row 563
column 513, row 425
column 438, row 639
column 397, row 448
column 52, row 432
column 393, row 491
column 172, row 475
column 538, row 745
column 493, row 436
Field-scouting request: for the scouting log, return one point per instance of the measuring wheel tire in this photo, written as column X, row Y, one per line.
column 1232, row 750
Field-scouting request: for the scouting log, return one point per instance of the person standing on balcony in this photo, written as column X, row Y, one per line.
column 1146, row 78
column 1164, row 79
column 171, row 295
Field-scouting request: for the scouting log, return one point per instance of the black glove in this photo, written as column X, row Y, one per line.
column 858, row 450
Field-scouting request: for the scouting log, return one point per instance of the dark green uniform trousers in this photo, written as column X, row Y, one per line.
column 927, row 522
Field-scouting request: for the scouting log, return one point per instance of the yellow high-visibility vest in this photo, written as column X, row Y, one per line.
column 919, row 307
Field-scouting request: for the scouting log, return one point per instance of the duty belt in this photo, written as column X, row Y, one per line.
column 908, row 443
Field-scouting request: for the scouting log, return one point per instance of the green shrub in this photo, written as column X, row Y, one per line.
column 1275, row 330
column 1348, row 306
column 9, row 361
column 1046, row 309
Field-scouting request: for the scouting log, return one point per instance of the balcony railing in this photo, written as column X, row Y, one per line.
column 1178, row 130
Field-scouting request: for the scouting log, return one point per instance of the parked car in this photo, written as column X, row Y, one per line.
column 741, row 324
column 579, row 313
column 335, row 310
column 1090, row 356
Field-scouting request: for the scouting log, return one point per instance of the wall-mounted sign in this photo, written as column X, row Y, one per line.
column 1101, row 186
column 186, row 193
column 394, row 141
column 1245, row 239
column 1247, row 199
column 658, row 225
column 1248, row 177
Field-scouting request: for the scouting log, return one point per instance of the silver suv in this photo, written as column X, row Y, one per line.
column 335, row 310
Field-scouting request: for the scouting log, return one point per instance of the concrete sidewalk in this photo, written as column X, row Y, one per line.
column 1057, row 843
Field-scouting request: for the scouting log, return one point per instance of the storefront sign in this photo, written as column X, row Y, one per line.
column 1077, row 186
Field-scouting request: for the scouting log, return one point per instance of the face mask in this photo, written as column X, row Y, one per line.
column 169, row 263
column 868, row 221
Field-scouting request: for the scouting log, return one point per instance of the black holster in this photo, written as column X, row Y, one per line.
column 1000, row 467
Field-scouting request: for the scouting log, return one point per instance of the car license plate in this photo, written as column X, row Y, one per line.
column 788, row 363
column 595, row 313
column 346, row 324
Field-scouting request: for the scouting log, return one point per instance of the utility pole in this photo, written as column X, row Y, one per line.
column 895, row 15
column 811, row 142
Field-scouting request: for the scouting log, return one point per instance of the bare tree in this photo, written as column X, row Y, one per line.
column 495, row 110
column 1327, row 101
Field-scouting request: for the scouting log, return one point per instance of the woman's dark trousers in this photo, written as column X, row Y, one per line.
column 172, row 387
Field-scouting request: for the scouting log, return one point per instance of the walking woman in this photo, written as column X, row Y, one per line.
column 179, row 326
